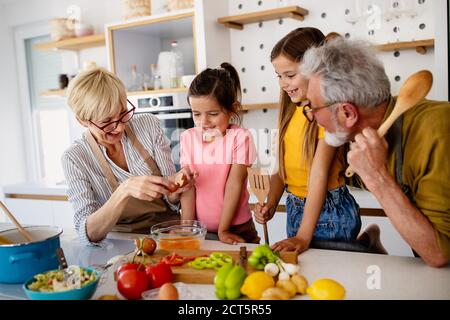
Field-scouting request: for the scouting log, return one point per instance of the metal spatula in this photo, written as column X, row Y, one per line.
column 260, row 186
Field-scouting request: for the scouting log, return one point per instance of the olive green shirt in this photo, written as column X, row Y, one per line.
column 426, row 163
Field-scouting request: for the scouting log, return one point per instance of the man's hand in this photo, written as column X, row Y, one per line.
column 367, row 156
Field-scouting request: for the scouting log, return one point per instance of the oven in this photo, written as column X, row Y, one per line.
column 172, row 110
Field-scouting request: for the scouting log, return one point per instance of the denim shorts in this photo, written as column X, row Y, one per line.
column 339, row 219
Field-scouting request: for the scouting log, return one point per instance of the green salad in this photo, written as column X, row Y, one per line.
column 74, row 277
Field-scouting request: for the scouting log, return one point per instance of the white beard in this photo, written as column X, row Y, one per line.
column 336, row 139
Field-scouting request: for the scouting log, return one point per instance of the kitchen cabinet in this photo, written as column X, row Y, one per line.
column 140, row 41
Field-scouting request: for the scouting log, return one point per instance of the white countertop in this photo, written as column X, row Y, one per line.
column 364, row 275
column 399, row 277
column 364, row 198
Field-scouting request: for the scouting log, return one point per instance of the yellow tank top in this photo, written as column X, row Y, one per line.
column 297, row 171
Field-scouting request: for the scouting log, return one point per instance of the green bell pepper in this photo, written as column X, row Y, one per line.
column 229, row 280
column 261, row 256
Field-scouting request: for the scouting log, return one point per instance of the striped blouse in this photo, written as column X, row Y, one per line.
column 88, row 188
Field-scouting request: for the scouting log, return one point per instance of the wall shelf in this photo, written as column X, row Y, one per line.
column 75, row 44
column 57, row 93
column 420, row 46
column 259, row 106
column 160, row 91
column 238, row 21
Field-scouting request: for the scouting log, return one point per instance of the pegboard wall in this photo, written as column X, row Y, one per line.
column 378, row 21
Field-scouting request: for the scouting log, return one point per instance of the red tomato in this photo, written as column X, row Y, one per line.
column 131, row 283
column 159, row 274
column 130, row 266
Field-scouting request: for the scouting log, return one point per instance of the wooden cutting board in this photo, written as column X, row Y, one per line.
column 187, row 274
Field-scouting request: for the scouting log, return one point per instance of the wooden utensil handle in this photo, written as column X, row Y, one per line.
column 13, row 219
column 266, row 233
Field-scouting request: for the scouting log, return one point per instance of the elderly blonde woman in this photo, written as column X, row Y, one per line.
column 119, row 172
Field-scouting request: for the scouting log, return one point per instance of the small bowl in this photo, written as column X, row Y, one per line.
column 84, row 293
column 179, row 234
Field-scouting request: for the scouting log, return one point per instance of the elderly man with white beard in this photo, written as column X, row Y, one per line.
column 409, row 172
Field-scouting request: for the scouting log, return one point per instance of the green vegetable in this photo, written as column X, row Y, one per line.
column 261, row 256
column 229, row 280
column 214, row 261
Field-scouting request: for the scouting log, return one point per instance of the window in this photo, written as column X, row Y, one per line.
column 49, row 115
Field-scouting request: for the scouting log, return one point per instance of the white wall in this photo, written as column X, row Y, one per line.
column 13, row 15
column 12, row 164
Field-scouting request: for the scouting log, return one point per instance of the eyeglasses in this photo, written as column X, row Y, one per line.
column 309, row 112
column 110, row 127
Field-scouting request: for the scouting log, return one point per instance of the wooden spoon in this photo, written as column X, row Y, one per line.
column 18, row 225
column 415, row 88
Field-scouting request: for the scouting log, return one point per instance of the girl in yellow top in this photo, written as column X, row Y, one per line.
column 319, row 205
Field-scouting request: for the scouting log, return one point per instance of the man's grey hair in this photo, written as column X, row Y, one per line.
column 349, row 72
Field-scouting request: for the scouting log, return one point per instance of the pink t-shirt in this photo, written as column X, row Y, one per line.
column 212, row 161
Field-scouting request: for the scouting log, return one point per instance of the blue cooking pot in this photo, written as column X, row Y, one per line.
column 21, row 260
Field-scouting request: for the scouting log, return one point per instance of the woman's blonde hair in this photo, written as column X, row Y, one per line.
column 96, row 94
column 293, row 46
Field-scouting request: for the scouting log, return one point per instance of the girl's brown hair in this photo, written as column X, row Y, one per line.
column 293, row 46
column 223, row 84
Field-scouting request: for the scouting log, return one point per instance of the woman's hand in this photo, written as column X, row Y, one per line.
column 263, row 213
column 230, row 238
column 291, row 244
column 189, row 175
column 146, row 187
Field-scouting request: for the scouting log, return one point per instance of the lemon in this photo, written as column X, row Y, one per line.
column 326, row 289
column 256, row 283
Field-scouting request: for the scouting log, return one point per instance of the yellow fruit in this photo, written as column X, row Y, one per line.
column 326, row 289
column 300, row 282
column 288, row 286
column 275, row 294
column 108, row 297
column 256, row 283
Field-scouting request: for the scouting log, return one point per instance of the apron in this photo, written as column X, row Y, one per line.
column 137, row 216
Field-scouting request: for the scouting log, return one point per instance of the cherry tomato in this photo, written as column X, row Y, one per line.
column 159, row 274
column 132, row 282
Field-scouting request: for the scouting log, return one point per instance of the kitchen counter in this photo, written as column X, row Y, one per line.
column 364, row 276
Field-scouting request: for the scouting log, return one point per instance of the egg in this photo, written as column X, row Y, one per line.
column 168, row 292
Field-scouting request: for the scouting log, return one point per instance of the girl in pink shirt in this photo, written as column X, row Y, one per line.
column 219, row 152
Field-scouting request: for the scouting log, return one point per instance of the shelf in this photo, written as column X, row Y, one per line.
column 53, row 93
column 259, row 106
column 75, row 44
column 151, row 92
column 238, row 22
column 420, row 46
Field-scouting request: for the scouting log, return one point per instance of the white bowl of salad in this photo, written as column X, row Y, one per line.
column 73, row 283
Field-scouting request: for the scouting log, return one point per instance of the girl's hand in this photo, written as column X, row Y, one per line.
column 145, row 187
column 263, row 213
column 291, row 244
column 230, row 238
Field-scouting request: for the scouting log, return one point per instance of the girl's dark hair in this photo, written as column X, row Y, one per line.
column 221, row 83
